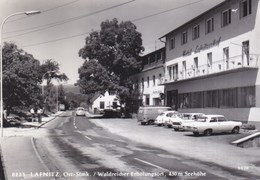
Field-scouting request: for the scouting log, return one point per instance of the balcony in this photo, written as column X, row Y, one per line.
column 233, row 64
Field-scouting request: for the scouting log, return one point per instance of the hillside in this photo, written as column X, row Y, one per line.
column 71, row 88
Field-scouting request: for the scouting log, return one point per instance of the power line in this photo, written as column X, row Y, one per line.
column 162, row 12
column 44, row 11
column 50, row 25
column 139, row 19
column 69, row 37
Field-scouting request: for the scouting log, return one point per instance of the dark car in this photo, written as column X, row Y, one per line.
column 109, row 113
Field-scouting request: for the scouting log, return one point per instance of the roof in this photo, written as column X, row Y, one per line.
column 213, row 115
column 197, row 17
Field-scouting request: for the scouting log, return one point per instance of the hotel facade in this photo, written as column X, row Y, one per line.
column 212, row 62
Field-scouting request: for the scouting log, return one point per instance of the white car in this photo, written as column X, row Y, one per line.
column 163, row 117
column 209, row 124
column 80, row 111
column 174, row 117
column 178, row 122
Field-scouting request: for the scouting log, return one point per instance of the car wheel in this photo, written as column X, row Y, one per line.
column 195, row 133
column 208, row 132
column 235, row 130
column 143, row 123
column 175, row 129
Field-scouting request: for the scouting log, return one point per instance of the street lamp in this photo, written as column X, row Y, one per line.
column 1, row 56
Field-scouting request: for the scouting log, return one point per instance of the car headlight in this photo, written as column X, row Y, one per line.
column 195, row 128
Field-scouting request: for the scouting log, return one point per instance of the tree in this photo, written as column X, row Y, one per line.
column 49, row 71
column 112, row 55
column 20, row 78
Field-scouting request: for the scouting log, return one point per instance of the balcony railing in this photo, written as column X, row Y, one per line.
column 230, row 64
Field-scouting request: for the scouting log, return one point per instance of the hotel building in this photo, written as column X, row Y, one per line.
column 212, row 62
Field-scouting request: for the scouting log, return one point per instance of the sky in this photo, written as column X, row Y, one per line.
column 59, row 31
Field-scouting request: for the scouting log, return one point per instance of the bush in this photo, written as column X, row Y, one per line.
column 248, row 127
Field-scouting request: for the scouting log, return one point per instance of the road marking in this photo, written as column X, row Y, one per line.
column 88, row 138
column 145, row 162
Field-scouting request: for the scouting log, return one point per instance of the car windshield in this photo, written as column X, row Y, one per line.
column 201, row 119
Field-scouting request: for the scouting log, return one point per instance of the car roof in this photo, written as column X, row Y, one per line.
column 213, row 115
column 170, row 111
column 193, row 113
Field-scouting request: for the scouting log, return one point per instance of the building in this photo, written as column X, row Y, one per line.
column 150, row 79
column 212, row 62
column 101, row 102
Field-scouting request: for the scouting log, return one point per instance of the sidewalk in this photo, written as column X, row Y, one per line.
column 30, row 128
column 18, row 154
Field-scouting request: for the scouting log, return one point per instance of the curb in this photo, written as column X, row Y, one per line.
column 2, row 166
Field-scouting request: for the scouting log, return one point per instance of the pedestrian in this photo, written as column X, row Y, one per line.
column 39, row 114
column 33, row 114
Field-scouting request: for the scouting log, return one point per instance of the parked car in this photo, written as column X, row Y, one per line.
column 148, row 114
column 209, row 124
column 178, row 122
column 163, row 117
column 170, row 119
column 109, row 113
column 80, row 111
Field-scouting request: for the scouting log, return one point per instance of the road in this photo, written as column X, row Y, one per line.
column 78, row 149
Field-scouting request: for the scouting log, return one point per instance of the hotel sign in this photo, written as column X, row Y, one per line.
column 202, row 47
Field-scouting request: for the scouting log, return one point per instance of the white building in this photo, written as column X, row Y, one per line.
column 150, row 79
column 102, row 102
column 212, row 62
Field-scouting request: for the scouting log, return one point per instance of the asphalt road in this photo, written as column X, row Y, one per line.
column 78, row 149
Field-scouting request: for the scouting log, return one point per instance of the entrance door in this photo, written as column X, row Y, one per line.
column 172, row 99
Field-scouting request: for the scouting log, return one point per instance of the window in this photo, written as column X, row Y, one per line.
column 175, row 71
column 209, row 25
column 170, row 72
column 226, row 17
column 114, row 105
column 160, row 79
column 213, row 120
column 102, row 105
column 196, row 32
column 238, row 97
column 148, row 83
column 184, row 37
column 152, row 58
column 153, row 80
column 246, row 96
column 221, row 119
column 145, row 61
column 228, row 98
column 211, row 99
column 245, row 8
column 147, row 100
column 159, row 56
column 172, row 43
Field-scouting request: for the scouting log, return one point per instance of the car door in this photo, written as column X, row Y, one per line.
column 213, row 124
column 224, row 126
